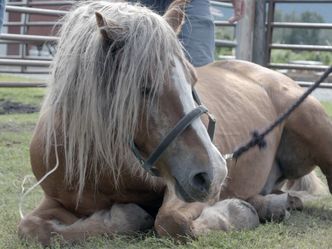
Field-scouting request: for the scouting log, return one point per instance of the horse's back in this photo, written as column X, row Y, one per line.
column 282, row 90
column 303, row 139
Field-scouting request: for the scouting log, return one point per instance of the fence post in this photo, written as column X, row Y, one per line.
column 259, row 46
column 244, row 33
column 269, row 32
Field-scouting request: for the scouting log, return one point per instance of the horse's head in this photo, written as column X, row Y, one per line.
column 190, row 164
column 120, row 78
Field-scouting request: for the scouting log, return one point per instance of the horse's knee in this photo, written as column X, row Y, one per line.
column 128, row 218
column 35, row 229
column 173, row 224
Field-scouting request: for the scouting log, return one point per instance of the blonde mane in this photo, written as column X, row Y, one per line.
column 94, row 98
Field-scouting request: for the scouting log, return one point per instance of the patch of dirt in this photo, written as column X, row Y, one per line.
column 7, row 107
column 14, row 127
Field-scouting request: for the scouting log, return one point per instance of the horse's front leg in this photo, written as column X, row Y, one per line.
column 50, row 218
column 175, row 217
column 226, row 215
column 181, row 220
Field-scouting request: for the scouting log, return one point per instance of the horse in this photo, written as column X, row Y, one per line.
column 120, row 91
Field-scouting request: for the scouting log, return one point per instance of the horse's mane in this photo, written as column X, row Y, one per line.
column 95, row 93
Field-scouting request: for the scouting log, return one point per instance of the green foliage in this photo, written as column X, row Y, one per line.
column 221, row 51
column 300, row 35
column 286, row 56
column 328, row 107
column 224, row 33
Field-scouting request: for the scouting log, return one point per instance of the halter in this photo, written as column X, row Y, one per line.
column 178, row 129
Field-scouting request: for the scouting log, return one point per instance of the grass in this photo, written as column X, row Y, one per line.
column 311, row 228
column 328, row 107
column 286, row 56
column 29, row 96
column 15, row 78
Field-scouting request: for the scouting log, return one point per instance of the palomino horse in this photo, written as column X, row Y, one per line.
column 120, row 83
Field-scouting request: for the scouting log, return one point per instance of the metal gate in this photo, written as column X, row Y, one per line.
column 253, row 36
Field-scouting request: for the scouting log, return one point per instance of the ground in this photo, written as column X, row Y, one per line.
column 311, row 228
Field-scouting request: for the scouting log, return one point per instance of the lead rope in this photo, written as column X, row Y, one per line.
column 25, row 193
column 259, row 138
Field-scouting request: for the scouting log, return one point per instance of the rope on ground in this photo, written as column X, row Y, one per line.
column 259, row 138
column 23, row 193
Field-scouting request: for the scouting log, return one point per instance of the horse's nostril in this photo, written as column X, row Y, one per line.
column 201, row 181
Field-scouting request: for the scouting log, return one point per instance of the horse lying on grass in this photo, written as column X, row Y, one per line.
column 120, row 83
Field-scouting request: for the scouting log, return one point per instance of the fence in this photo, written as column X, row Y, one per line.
column 258, row 26
column 271, row 25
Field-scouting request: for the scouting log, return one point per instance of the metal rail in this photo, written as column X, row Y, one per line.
column 28, row 38
column 225, row 43
column 16, row 62
column 309, row 84
column 302, row 1
column 41, row 3
column 301, row 25
column 296, row 66
column 35, row 11
column 224, row 24
column 22, row 84
column 36, row 24
column 301, row 47
column 29, row 57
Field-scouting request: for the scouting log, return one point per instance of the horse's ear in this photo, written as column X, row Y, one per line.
column 108, row 29
column 175, row 14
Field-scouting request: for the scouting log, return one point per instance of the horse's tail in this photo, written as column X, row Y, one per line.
column 309, row 183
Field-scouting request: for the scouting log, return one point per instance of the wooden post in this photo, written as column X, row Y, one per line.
column 245, row 31
column 259, row 46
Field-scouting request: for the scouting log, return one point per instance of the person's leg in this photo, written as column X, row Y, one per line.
column 159, row 6
column 197, row 35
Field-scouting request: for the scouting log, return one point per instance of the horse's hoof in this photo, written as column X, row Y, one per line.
column 230, row 214
column 294, row 202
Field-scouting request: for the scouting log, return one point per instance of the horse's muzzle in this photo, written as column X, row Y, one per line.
column 194, row 188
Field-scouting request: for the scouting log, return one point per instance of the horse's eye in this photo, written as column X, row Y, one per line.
column 145, row 91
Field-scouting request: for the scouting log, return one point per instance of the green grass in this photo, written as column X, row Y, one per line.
column 285, row 56
column 15, row 78
column 328, row 107
column 311, row 228
column 31, row 96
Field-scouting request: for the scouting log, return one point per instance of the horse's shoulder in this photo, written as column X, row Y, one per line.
column 235, row 65
column 254, row 78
